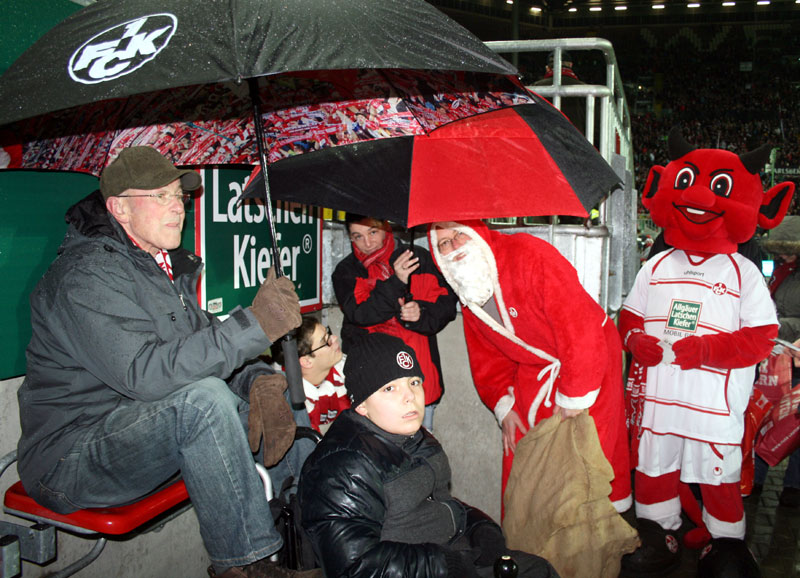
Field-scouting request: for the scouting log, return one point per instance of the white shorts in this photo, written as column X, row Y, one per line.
column 698, row 462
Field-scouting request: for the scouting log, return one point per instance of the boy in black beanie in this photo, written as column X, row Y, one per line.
column 374, row 494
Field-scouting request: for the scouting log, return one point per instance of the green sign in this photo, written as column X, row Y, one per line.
column 684, row 315
column 31, row 230
column 233, row 237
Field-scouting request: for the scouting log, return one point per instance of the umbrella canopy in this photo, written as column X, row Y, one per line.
column 377, row 142
column 301, row 113
column 525, row 160
column 116, row 48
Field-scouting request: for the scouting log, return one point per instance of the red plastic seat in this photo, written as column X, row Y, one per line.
column 110, row 521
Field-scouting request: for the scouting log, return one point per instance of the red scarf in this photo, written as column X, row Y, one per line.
column 377, row 263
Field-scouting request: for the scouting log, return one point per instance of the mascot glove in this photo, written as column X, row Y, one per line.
column 270, row 418
column 645, row 348
column 276, row 306
column 690, row 352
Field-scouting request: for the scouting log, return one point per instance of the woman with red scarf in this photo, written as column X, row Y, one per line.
column 386, row 287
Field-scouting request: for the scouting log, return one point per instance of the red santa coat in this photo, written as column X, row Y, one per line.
column 550, row 325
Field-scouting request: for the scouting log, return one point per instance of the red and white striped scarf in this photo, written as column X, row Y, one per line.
column 162, row 258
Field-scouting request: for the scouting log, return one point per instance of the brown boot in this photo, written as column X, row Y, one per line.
column 265, row 568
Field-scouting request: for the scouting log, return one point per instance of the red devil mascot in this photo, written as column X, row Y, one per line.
column 697, row 321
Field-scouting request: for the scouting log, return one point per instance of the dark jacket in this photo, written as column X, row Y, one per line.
column 109, row 325
column 376, row 504
column 429, row 289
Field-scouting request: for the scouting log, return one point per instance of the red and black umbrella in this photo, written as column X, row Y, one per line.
column 521, row 160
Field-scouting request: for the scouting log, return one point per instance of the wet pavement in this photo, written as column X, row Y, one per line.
column 773, row 533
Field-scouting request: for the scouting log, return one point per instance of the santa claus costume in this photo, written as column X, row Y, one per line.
column 542, row 341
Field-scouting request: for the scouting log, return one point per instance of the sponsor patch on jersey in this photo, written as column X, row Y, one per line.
column 684, row 315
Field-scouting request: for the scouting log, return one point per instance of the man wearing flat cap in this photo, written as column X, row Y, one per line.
column 129, row 382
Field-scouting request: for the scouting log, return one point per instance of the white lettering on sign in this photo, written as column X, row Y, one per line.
column 250, row 265
column 236, row 210
column 121, row 49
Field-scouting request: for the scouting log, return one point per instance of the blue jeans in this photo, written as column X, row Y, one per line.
column 196, row 430
column 427, row 418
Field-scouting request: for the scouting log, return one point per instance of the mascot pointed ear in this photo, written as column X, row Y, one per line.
column 776, row 203
column 651, row 186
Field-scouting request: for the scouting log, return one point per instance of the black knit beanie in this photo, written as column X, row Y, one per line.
column 374, row 361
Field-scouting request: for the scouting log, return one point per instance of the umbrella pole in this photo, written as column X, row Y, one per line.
column 291, row 359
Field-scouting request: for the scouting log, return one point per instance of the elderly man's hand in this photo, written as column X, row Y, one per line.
column 276, row 306
column 270, row 417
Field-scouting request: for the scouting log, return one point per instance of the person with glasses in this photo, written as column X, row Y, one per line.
column 129, row 382
column 388, row 287
column 321, row 365
column 538, row 344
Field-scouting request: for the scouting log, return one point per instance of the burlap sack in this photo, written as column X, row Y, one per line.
column 556, row 501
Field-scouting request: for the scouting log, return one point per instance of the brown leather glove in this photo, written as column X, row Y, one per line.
column 270, row 417
column 276, row 306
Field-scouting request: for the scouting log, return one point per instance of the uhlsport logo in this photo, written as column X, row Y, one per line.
column 120, row 50
column 405, row 360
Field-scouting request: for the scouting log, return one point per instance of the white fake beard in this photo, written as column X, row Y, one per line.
column 471, row 275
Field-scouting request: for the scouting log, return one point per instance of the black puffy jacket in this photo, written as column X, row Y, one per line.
column 376, row 504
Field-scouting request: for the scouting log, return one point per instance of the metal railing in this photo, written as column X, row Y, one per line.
column 616, row 225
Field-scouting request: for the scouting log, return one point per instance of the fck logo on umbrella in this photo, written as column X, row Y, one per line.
column 120, row 50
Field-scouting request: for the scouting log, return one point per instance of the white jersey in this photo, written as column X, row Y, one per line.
column 678, row 295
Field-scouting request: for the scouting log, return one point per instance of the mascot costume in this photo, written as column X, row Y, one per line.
column 697, row 321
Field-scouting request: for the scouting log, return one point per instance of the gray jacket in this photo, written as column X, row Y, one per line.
column 109, row 325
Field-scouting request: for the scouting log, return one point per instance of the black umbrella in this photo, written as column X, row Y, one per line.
column 90, row 66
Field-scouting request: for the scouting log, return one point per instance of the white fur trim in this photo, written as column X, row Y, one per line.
column 582, row 402
column 666, row 514
column 623, row 505
column 503, row 406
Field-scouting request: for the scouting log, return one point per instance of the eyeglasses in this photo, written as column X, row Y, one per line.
column 446, row 245
column 164, row 199
column 328, row 341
